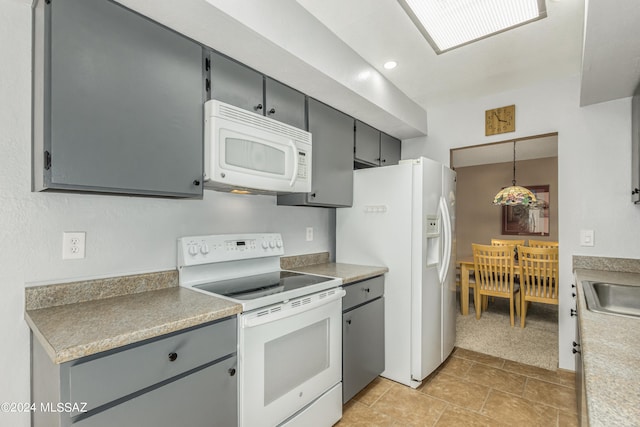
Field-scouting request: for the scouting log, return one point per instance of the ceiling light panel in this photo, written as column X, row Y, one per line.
column 447, row 24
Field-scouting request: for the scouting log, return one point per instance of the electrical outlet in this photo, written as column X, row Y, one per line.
column 309, row 234
column 73, row 245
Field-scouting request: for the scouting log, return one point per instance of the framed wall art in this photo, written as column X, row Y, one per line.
column 528, row 220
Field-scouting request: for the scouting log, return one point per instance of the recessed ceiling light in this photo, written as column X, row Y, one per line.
column 390, row 65
column 454, row 23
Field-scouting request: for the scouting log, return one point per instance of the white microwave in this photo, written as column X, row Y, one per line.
column 246, row 152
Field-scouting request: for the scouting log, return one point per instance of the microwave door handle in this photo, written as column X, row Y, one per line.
column 295, row 163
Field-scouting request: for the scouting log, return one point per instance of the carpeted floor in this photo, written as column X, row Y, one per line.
column 536, row 344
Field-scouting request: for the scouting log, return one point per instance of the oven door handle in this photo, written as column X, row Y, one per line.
column 257, row 320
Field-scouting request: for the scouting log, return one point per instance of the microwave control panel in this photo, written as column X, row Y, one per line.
column 302, row 164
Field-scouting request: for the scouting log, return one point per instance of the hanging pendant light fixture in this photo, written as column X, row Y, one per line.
column 514, row 195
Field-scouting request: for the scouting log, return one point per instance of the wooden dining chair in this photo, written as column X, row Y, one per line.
column 542, row 244
column 500, row 242
column 472, row 287
column 538, row 277
column 494, row 269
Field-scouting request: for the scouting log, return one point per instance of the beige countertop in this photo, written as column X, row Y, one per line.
column 610, row 347
column 349, row 273
column 69, row 329
column 74, row 320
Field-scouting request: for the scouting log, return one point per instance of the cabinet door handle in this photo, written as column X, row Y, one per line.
column 232, row 371
column 173, row 357
column 574, row 351
column 348, row 321
column 271, row 111
column 366, row 290
column 575, row 344
column 258, row 107
column 196, row 182
column 573, row 312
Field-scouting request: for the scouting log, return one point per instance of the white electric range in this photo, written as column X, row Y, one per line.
column 289, row 333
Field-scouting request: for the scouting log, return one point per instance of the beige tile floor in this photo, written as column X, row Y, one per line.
column 469, row 389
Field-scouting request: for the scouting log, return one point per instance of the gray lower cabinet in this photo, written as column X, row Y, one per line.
column 185, row 378
column 332, row 163
column 362, row 335
column 117, row 102
column 389, row 150
column 205, row 398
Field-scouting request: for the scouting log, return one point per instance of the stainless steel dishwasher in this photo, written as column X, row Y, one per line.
column 362, row 335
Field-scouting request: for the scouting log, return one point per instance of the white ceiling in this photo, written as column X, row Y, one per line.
column 381, row 30
column 322, row 47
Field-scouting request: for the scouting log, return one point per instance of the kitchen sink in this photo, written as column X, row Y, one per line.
column 612, row 298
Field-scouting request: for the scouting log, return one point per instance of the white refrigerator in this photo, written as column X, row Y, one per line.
column 403, row 217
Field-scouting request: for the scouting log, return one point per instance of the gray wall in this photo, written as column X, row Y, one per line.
column 478, row 220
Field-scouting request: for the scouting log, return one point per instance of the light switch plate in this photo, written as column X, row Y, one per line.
column 587, row 238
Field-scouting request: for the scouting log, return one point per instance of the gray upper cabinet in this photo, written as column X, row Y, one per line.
column 389, row 150
column 238, row 85
column 367, row 144
column 635, row 147
column 117, row 102
column 374, row 148
column 234, row 83
column 284, row 103
column 332, row 163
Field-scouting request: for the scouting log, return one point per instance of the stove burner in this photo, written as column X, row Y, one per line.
column 254, row 287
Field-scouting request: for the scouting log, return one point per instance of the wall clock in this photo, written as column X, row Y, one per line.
column 500, row 120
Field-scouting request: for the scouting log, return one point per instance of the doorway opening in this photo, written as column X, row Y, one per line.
column 482, row 171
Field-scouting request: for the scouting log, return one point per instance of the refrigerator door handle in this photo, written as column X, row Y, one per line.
column 446, row 236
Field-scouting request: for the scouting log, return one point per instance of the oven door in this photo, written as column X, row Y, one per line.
column 290, row 354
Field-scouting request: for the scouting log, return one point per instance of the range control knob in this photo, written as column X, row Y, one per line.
column 279, row 243
column 265, row 244
column 272, row 244
column 204, row 249
column 193, row 250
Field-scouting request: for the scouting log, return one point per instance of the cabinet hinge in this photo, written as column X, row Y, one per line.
column 207, row 85
column 207, row 64
column 47, row 160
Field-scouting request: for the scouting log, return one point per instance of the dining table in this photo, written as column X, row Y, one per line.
column 466, row 267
